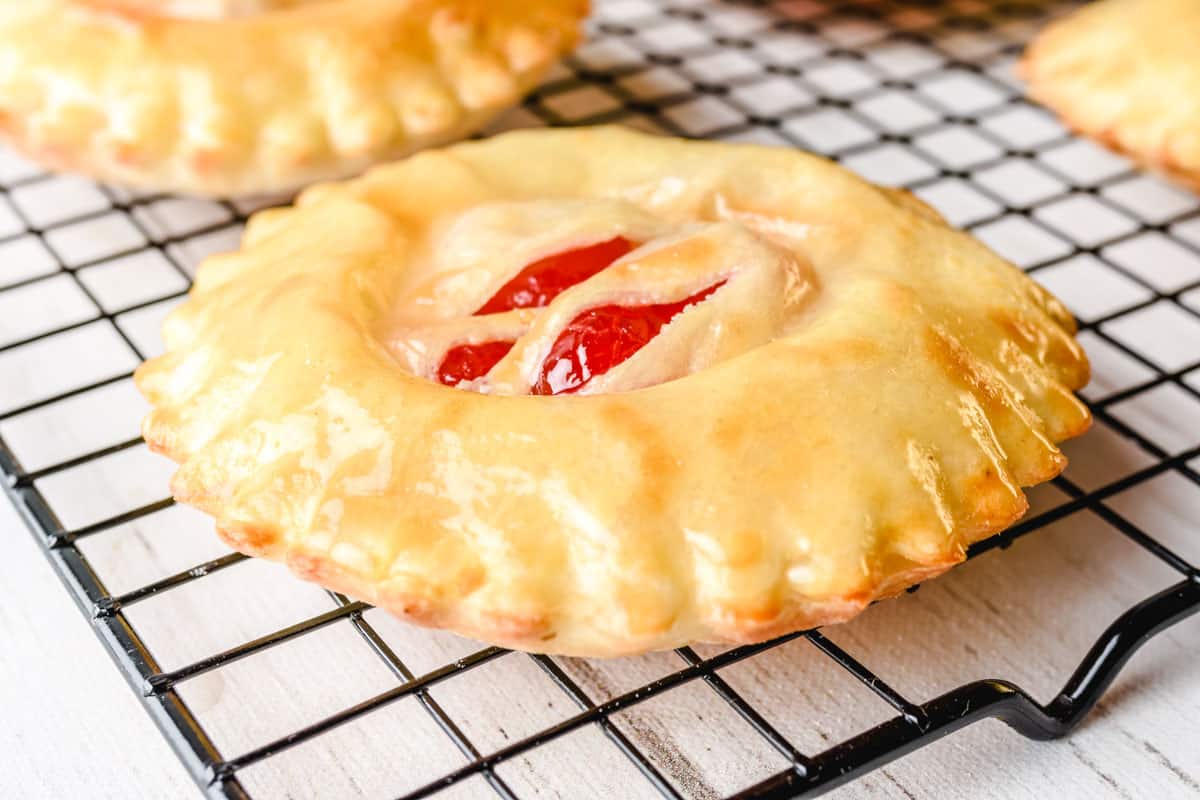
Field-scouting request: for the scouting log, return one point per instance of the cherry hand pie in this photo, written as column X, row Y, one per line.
column 247, row 96
column 1127, row 73
column 597, row 392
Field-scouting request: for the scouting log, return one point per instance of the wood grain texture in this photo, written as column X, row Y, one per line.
column 71, row 726
column 1026, row 614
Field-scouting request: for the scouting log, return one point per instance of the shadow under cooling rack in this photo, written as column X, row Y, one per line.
column 915, row 94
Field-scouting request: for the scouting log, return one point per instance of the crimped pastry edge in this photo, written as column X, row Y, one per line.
column 88, row 133
column 262, row 537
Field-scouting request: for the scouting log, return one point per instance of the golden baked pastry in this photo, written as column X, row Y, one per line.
column 694, row 391
column 1126, row 72
column 247, row 96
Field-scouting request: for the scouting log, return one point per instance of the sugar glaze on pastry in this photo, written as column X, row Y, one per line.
column 250, row 96
column 754, row 289
column 837, row 393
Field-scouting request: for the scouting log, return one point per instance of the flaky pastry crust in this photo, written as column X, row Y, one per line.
column 838, row 446
column 252, row 96
column 1126, row 73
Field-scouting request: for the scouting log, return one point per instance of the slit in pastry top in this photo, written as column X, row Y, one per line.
column 534, row 299
column 593, row 342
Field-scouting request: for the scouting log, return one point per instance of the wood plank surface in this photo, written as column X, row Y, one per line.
column 1027, row 614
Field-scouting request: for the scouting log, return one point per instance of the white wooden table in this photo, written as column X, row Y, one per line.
column 73, row 728
column 897, row 93
column 71, row 725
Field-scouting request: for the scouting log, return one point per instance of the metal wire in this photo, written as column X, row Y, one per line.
column 914, row 724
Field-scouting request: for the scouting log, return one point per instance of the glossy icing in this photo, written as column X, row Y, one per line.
column 873, row 390
column 249, row 96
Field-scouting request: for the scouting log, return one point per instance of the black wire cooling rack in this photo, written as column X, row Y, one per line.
column 918, row 94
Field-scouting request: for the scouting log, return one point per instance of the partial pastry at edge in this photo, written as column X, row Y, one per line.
column 1125, row 72
column 236, row 97
column 833, row 393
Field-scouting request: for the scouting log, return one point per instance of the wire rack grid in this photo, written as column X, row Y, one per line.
column 244, row 668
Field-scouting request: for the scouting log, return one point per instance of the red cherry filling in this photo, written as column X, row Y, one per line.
column 591, row 344
column 470, row 361
column 542, row 281
column 601, row 338
column 533, row 287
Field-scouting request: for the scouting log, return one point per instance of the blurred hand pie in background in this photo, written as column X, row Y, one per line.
column 255, row 96
column 1127, row 72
